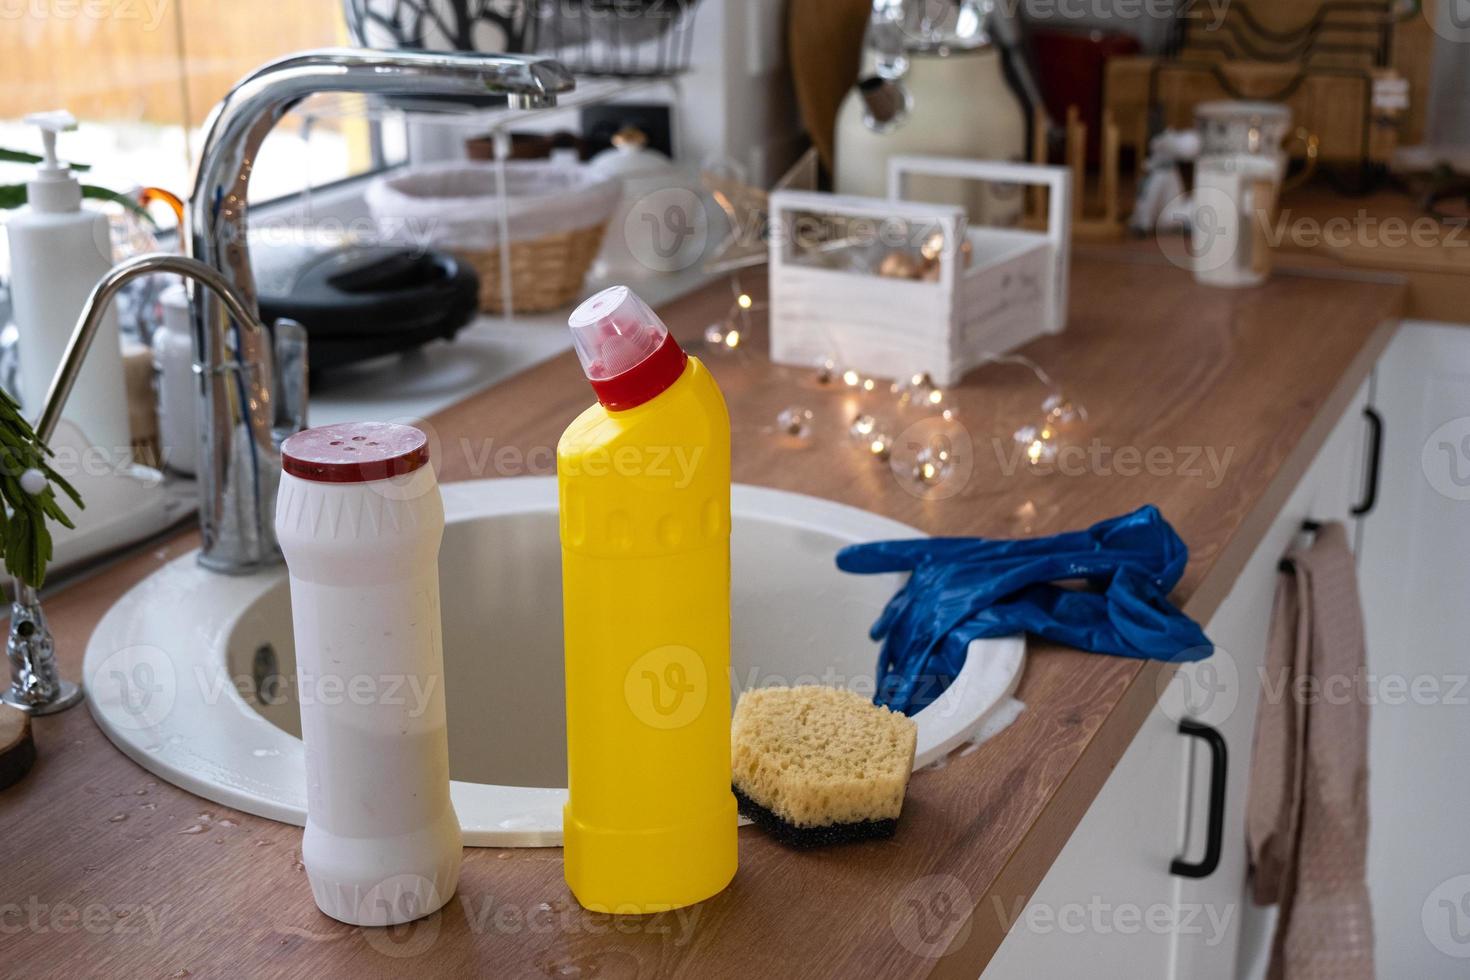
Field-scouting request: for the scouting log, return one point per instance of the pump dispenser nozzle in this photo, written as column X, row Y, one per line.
column 53, row 189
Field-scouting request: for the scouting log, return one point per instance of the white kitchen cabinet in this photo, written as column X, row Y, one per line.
column 1414, row 565
column 1109, row 906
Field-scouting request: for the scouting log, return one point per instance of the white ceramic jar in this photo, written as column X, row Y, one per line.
column 958, row 105
column 659, row 226
column 1237, row 179
column 359, row 519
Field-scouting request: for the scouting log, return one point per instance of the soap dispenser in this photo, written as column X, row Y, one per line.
column 644, row 492
column 58, row 252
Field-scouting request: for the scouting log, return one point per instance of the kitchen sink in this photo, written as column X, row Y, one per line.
column 193, row 675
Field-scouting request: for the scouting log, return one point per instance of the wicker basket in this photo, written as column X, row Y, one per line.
column 545, row 273
column 556, row 212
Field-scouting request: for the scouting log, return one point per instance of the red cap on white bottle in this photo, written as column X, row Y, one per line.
column 626, row 351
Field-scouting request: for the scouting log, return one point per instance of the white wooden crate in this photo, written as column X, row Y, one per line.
column 1013, row 289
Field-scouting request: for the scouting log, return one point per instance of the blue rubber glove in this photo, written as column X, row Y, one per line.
column 962, row 589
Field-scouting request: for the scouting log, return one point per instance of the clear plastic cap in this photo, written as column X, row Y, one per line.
column 615, row 331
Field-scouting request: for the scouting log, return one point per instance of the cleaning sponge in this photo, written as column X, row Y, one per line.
column 819, row 765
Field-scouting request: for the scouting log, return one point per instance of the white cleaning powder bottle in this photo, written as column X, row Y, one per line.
column 359, row 519
column 58, row 251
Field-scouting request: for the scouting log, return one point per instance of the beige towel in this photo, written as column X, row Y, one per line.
column 1307, row 813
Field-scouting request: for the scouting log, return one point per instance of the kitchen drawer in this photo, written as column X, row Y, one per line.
column 1109, row 904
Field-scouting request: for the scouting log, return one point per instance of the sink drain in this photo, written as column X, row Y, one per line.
column 265, row 673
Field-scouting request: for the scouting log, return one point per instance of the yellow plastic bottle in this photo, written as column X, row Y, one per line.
column 644, row 482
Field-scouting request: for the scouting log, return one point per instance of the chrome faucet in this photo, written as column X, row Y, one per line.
column 252, row 379
column 35, row 684
column 244, row 416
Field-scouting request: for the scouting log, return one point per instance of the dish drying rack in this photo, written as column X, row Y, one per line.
column 592, row 38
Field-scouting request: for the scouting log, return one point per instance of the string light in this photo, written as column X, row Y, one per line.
column 933, row 463
column 1061, row 411
column 729, row 333
column 1038, row 444
column 795, row 421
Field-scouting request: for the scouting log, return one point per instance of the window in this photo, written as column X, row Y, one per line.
column 142, row 76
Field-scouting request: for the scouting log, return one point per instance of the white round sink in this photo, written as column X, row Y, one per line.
column 193, row 674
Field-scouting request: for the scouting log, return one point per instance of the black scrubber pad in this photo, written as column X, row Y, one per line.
column 808, row 837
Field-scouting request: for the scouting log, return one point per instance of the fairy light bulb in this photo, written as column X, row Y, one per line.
column 851, row 378
column 920, row 391
column 1062, row 411
column 1038, row 444
column 933, row 464
column 826, row 370
column 744, row 301
column 722, row 336
column 795, row 421
column 880, row 445
column 863, row 427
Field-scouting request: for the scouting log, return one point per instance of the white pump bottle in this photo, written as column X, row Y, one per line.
column 58, row 252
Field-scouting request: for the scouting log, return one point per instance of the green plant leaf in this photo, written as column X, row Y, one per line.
column 21, row 156
column 23, row 532
column 14, row 196
column 95, row 193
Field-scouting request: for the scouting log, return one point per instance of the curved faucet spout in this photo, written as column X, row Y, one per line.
column 240, row 467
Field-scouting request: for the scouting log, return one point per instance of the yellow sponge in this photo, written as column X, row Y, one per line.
column 817, row 765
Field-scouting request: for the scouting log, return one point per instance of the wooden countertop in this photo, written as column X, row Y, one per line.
column 107, row 870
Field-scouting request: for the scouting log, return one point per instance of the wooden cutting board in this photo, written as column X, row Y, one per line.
column 824, row 39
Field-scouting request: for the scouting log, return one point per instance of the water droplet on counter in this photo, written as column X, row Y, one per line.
column 141, row 792
column 503, row 856
column 178, row 974
column 193, row 828
column 117, row 818
column 262, row 843
column 227, row 822
column 570, row 969
column 147, row 806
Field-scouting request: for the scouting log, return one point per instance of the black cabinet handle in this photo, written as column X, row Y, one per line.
column 1216, row 832
column 1375, row 460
